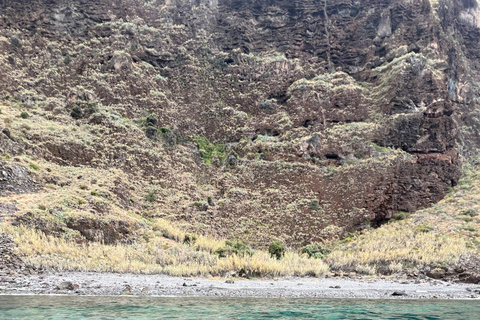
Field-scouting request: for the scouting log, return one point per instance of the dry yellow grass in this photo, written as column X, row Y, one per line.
column 397, row 246
column 155, row 256
column 170, row 231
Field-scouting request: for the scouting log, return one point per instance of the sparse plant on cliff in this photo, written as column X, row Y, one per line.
column 209, row 151
column 151, row 120
column 34, row 166
column 423, row 228
column 314, row 205
column 151, row 197
column 189, row 238
column 401, row 215
column 77, row 112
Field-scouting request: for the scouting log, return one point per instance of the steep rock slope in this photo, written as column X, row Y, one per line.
column 299, row 120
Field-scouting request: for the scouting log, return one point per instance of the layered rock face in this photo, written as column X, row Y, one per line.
column 299, row 120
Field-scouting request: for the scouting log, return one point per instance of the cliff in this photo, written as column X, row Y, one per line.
column 256, row 120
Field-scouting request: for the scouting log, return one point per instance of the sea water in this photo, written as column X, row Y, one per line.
column 63, row 307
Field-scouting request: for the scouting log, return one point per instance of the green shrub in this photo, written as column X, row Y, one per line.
column 208, row 150
column 24, row 115
column 151, row 197
column 189, row 239
column 423, row 228
column 314, row 205
column 34, row 166
column 77, row 112
column 165, row 129
column 470, row 228
column 83, row 187
column 470, row 212
column 94, row 193
column 151, row 120
column 67, row 60
column 151, row 132
column 401, row 215
column 315, row 251
column 238, row 248
column 92, row 107
column 276, row 249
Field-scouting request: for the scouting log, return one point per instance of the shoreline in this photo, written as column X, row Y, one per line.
column 90, row 284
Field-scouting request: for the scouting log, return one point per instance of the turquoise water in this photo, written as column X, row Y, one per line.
column 55, row 307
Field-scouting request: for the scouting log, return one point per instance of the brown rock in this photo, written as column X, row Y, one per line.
column 437, row 273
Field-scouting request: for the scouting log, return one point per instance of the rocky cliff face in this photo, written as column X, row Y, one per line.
column 299, row 120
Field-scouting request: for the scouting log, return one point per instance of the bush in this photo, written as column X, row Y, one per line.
column 208, row 150
column 34, row 166
column 423, row 228
column 314, row 205
column 84, row 109
column 151, row 132
column 76, row 113
column 189, row 239
column 276, row 250
column 234, row 247
column 151, row 120
column 151, row 197
column 401, row 215
column 24, row 115
column 470, row 212
column 315, row 251
column 92, row 107
column 165, row 129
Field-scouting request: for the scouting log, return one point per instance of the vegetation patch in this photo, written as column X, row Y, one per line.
column 234, row 247
column 153, row 254
column 209, row 151
column 316, row 251
column 276, row 250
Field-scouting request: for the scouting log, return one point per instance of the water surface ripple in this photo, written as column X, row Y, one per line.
column 62, row 307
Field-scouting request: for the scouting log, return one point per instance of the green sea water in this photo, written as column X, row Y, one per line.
column 62, row 307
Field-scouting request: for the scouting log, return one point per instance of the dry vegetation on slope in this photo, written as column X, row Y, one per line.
column 443, row 237
column 440, row 241
column 240, row 122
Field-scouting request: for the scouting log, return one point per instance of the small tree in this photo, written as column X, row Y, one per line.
column 276, row 249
